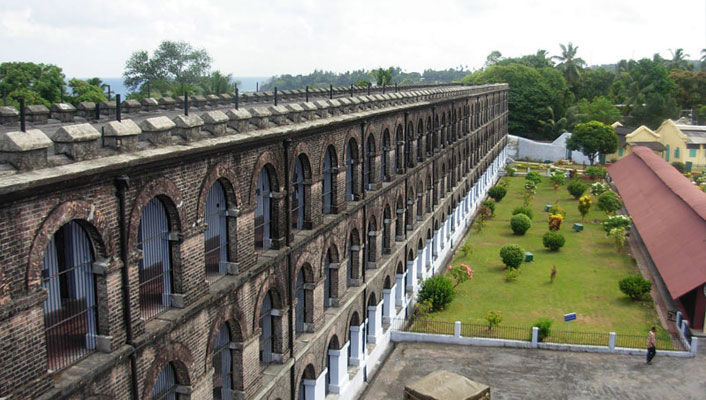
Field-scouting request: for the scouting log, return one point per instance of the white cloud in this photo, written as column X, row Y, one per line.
column 265, row 37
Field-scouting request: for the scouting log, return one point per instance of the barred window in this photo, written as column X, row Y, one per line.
column 266, row 337
column 165, row 387
column 216, row 235
column 70, row 308
column 155, row 264
column 222, row 365
column 263, row 211
column 328, row 176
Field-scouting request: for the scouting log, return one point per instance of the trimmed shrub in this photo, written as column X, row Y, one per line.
column 497, row 192
column 553, row 241
column 489, row 204
column 635, row 286
column 557, row 209
column 595, row 173
column 511, row 274
column 545, row 328
column 512, row 255
column 510, row 170
column 524, row 210
column 439, row 290
column 576, row 188
column 558, row 178
column 617, row 221
column 534, row 177
column 555, row 221
column 609, row 202
column 584, row 205
column 598, row 188
column 494, row 319
column 679, row 166
column 520, row 223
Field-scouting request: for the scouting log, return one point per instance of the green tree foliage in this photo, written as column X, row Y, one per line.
column 690, row 88
column 439, row 290
column 524, row 210
column 532, row 91
column 596, row 172
column 538, row 60
column 544, row 326
column 558, row 178
column 576, row 188
column 493, row 58
column 679, row 60
column 36, row 83
column 647, row 91
column 593, row 138
column 89, row 90
column 497, row 192
column 218, row 83
column 520, row 224
column 570, row 65
column 635, row 286
column 600, row 109
column 172, row 64
column 490, row 205
column 512, row 255
column 383, row 76
column 616, row 221
column 553, row 241
column 595, row 83
column 609, row 203
column 533, row 177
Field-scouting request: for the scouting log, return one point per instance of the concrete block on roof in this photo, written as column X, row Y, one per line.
column 121, row 135
column 279, row 115
column 130, row 106
column 260, row 117
column 215, row 122
column 226, row 98
column 86, row 109
column 25, row 150
column 149, row 104
column 322, row 108
column 8, row 115
column 188, row 127
column 166, row 102
column 80, row 142
column 295, row 112
column 197, row 100
column 309, row 112
column 239, row 119
column 158, row 130
column 335, row 107
column 37, row 113
column 213, row 100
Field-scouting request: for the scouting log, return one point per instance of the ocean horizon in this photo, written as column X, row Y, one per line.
column 247, row 84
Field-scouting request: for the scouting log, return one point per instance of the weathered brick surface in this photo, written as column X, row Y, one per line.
column 431, row 178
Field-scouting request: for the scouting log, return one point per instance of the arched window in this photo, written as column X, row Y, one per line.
column 399, row 143
column 387, row 220
column 301, row 307
column 399, row 220
column 430, row 135
column 385, row 167
column 70, row 307
column 328, row 288
column 222, row 364
column 350, row 157
column 263, row 211
column 369, row 162
column 307, row 384
column 371, row 247
column 266, row 336
column 409, row 162
column 298, row 202
column 216, row 235
column 328, row 180
column 420, row 142
column 353, row 259
column 155, row 264
column 165, row 387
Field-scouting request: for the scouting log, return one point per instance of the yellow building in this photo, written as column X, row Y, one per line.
column 671, row 141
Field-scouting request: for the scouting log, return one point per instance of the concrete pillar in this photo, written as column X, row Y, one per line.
column 611, row 341
column 535, row 337
column 457, row 329
column 338, row 368
column 428, row 250
column 357, row 344
column 411, row 276
column 375, row 321
column 399, row 290
column 309, row 387
column 420, row 263
column 320, row 386
column 388, row 306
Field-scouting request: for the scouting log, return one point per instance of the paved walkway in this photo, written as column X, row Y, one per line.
column 544, row 374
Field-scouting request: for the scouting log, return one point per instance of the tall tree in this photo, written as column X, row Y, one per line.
column 569, row 64
column 703, row 59
column 36, row 83
column 679, row 60
column 593, row 138
column 493, row 58
column 648, row 93
column 171, row 62
column 383, row 76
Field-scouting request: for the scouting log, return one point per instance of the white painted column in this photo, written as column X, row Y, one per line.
column 435, row 245
column 420, row 263
column 339, row 368
column 411, row 277
column 389, row 307
column 375, row 321
column 309, row 387
column 399, row 290
column 429, row 260
column 320, row 386
column 357, row 333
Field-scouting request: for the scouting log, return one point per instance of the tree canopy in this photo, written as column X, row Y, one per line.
column 593, row 138
column 36, row 83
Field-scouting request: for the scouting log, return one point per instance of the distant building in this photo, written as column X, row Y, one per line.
column 671, row 141
column 669, row 215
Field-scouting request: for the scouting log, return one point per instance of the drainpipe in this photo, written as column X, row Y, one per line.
column 122, row 183
column 290, row 271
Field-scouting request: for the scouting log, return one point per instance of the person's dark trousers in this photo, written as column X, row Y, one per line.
column 651, row 351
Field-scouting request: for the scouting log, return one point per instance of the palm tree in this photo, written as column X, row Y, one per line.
column 703, row 59
column 679, row 60
column 552, row 127
column 569, row 64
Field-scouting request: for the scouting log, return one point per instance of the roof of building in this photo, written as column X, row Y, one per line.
column 695, row 134
column 670, row 215
column 656, row 146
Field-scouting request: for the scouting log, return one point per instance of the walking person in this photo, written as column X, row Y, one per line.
column 651, row 345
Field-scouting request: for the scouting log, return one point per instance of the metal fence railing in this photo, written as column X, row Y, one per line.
column 663, row 340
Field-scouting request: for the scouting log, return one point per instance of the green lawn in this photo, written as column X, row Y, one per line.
column 588, row 271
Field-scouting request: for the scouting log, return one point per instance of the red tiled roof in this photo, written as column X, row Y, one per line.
column 670, row 215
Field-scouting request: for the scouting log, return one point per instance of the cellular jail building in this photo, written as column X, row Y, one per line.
column 258, row 252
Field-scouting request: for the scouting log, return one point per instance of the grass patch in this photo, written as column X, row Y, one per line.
column 588, row 271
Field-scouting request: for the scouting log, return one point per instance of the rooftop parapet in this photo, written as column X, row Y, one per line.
column 239, row 120
column 121, row 135
column 8, row 115
column 215, row 122
column 25, row 150
column 80, row 142
column 37, row 114
column 188, row 127
column 158, row 130
column 63, row 112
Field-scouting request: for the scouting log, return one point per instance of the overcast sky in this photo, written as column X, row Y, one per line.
column 262, row 37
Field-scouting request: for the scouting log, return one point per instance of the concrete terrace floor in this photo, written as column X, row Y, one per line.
column 544, row 374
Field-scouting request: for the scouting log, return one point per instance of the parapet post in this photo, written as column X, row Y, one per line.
column 330, row 91
column 4, row 96
column 307, row 94
column 395, row 87
column 108, row 92
column 369, row 84
column 118, row 111
column 98, row 111
column 236, row 98
column 351, row 90
column 186, row 103
column 383, row 88
column 22, row 115
column 275, row 96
